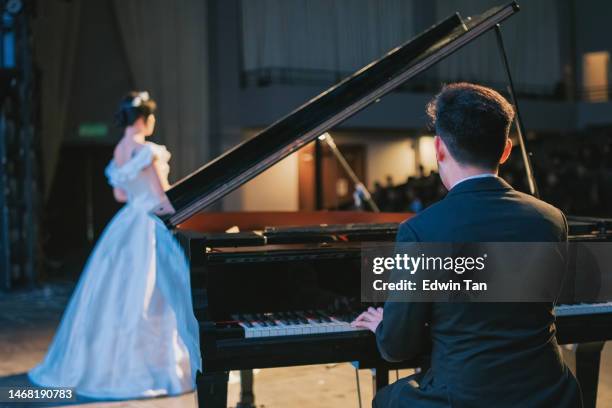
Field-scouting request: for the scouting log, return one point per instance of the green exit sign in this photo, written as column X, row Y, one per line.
column 93, row 130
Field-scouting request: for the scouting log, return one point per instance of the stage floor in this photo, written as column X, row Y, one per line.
column 28, row 321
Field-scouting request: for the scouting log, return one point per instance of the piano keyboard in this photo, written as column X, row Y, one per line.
column 294, row 323
column 583, row 309
column 318, row 322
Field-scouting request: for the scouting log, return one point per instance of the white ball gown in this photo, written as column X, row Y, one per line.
column 129, row 329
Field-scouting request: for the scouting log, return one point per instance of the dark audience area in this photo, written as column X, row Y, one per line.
column 573, row 172
column 417, row 193
column 576, row 175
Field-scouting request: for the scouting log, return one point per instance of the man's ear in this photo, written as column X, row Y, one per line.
column 440, row 148
column 507, row 151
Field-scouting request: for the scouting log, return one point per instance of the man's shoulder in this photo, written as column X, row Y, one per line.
column 425, row 219
column 454, row 214
column 541, row 208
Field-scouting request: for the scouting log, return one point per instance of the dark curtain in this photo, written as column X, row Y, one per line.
column 166, row 47
column 55, row 37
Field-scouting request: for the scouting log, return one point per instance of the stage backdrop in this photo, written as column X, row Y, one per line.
column 165, row 45
column 167, row 53
column 532, row 41
column 56, row 34
column 340, row 35
column 307, row 38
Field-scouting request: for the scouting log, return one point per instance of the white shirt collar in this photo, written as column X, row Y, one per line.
column 476, row 176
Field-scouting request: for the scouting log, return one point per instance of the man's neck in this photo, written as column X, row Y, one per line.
column 464, row 173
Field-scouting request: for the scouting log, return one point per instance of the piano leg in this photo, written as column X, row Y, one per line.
column 587, row 370
column 212, row 389
column 380, row 379
column 247, row 398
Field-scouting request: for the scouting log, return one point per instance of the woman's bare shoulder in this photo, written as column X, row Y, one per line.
column 125, row 150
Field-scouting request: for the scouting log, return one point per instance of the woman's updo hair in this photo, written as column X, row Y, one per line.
column 133, row 106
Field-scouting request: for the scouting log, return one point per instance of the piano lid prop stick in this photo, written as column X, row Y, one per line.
column 358, row 184
column 533, row 187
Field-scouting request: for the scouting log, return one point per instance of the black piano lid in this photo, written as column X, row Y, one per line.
column 245, row 161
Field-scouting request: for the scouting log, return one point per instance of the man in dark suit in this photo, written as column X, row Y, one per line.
column 482, row 354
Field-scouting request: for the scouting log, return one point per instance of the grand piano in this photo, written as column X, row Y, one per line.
column 282, row 290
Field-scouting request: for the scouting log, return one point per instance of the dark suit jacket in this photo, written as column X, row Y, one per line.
column 482, row 354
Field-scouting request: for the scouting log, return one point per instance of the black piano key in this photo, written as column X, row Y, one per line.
column 293, row 318
column 344, row 317
column 250, row 319
column 339, row 316
column 301, row 318
column 281, row 317
column 313, row 316
column 323, row 316
column 284, row 318
column 262, row 320
column 239, row 318
column 269, row 319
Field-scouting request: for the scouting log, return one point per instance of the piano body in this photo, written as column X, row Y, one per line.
column 282, row 290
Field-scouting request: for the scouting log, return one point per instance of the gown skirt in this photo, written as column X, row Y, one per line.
column 129, row 330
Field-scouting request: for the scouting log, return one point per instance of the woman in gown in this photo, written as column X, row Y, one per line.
column 129, row 329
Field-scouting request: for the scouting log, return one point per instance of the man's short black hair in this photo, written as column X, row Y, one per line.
column 473, row 121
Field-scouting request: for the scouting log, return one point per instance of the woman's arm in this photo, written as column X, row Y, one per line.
column 156, row 178
column 160, row 185
column 163, row 179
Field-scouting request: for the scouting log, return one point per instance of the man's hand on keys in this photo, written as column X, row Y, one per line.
column 370, row 319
